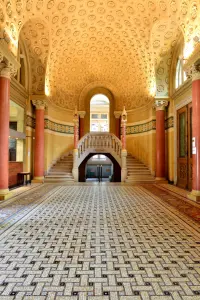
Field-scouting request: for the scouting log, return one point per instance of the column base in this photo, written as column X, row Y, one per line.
column 5, row 194
column 39, row 179
column 194, row 196
column 161, row 180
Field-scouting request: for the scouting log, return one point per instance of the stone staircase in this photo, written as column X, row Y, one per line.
column 61, row 171
column 137, row 172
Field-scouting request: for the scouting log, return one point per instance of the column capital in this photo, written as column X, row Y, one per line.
column 195, row 72
column 5, row 71
column 76, row 115
column 124, row 116
column 39, row 103
column 82, row 114
column 11, row 65
column 160, row 103
column 117, row 114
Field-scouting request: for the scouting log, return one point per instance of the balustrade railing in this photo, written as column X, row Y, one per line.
column 99, row 142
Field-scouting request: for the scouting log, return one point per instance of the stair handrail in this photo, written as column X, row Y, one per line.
column 99, row 133
column 99, row 140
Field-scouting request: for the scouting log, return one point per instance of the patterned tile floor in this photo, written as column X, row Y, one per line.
column 98, row 242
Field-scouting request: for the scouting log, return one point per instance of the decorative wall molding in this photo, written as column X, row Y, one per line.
column 141, row 128
column 59, row 128
column 169, row 123
column 148, row 126
column 30, row 121
column 51, row 126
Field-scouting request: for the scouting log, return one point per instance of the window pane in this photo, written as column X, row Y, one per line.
column 12, row 149
column 95, row 116
column 184, row 76
column 104, row 116
column 182, row 132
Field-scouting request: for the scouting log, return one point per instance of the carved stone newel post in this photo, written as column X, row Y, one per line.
column 124, row 151
column 75, row 153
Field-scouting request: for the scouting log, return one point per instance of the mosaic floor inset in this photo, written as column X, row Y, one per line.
column 99, row 243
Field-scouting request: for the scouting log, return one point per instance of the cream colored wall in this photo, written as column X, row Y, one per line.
column 56, row 144
column 142, row 145
column 60, row 114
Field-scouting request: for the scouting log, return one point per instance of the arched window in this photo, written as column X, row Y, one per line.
column 99, row 113
column 180, row 74
column 21, row 75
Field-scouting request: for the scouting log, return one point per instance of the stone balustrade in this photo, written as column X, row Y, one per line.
column 99, row 143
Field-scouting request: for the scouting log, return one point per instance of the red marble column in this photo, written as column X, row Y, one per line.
column 81, row 124
column 4, row 130
column 123, row 123
column 160, row 143
column 123, row 135
column 195, row 194
column 39, row 141
column 76, row 135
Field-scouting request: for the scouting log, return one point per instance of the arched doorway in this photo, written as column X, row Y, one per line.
column 99, row 168
column 99, row 113
column 116, row 169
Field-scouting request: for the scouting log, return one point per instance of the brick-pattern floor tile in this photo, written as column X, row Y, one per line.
column 99, row 243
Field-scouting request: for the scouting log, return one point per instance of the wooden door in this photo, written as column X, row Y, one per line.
column 190, row 147
column 184, row 147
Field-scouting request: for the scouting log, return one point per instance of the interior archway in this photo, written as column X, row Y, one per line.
column 84, row 103
column 116, row 167
column 99, row 113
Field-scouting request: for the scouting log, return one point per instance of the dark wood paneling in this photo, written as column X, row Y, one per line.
column 14, row 169
column 184, row 157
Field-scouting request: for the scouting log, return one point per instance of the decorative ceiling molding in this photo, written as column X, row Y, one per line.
column 124, row 43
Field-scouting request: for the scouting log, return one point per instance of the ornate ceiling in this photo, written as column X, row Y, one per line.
column 126, row 44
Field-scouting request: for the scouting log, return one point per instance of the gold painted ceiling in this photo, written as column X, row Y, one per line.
column 123, row 45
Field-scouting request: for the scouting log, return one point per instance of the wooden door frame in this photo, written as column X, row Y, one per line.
column 176, row 108
column 182, row 183
column 190, row 159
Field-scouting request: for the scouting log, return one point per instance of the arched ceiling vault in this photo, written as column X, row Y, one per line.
column 124, row 43
column 35, row 35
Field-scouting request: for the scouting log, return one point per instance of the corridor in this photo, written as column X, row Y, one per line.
column 97, row 242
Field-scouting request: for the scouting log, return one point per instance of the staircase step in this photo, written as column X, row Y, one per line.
column 61, row 170
column 59, row 176
column 60, row 173
column 137, row 172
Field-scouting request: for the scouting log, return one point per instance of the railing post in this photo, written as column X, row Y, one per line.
column 75, row 152
column 124, row 151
